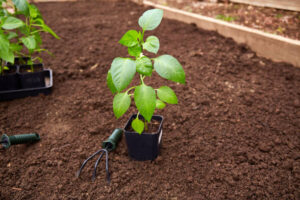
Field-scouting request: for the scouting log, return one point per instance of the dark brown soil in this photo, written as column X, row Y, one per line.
column 276, row 21
column 234, row 135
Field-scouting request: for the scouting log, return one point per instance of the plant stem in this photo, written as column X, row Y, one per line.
column 31, row 63
column 33, row 32
column 130, row 89
column 145, row 122
column 40, row 50
column 145, row 125
column 142, row 79
column 21, row 54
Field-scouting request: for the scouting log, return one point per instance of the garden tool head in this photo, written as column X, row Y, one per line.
column 108, row 145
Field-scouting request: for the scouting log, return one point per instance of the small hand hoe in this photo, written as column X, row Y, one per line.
column 107, row 146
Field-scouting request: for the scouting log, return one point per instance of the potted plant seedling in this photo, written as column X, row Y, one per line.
column 31, row 74
column 143, row 131
column 8, row 72
column 20, row 26
column 8, row 76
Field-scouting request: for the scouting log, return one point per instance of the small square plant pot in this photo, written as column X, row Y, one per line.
column 145, row 146
column 35, row 79
column 19, row 61
column 9, row 80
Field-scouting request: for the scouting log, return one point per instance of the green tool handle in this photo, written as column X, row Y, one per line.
column 111, row 143
column 7, row 141
column 24, row 138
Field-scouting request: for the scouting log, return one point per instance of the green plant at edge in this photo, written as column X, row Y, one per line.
column 278, row 16
column 30, row 33
column 24, row 33
column 8, row 23
column 123, row 70
column 280, row 29
column 225, row 18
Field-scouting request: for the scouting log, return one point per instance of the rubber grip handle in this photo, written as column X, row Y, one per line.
column 19, row 139
column 111, row 143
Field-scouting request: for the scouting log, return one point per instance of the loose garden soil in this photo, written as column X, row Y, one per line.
column 234, row 135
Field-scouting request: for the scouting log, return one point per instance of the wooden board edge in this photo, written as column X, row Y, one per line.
column 274, row 47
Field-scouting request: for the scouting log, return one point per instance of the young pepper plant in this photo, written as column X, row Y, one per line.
column 30, row 33
column 123, row 70
column 23, row 33
column 8, row 26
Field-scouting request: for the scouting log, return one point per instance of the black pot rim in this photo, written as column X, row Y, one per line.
column 6, row 95
column 13, row 67
column 134, row 116
column 34, row 65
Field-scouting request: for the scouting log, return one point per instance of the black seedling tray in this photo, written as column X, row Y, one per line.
column 20, row 93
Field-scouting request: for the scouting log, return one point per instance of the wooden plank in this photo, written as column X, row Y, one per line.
column 43, row 1
column 267, row 45
column 281, row 4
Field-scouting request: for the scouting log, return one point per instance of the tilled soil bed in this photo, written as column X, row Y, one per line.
column 234, row 135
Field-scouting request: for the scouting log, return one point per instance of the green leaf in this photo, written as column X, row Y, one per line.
column 39, row 59
column 138, row 125
column 24, row 30
column 130, row 38
column 167, row 95
column 144, row 97
column 15, row 47
column 38, row 39
column 49, row 30
column 110, row 83
column 33, row 11
column 11, row 35
column 122, row 72
column 22, row 6
column 12, row 23
column 5, row 52
column 140, row 36
column 169, row 68
column 135, row 50
column 29, row 42
column 46, row 28
column 30, row 62
column 151, row 44
column 144, row 66
column 151, row 19
column 121, row 104
column 160, row 104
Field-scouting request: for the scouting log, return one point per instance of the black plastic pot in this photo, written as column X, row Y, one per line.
column 145, row 146
column 9, row 80
column 19, row 61
column 29, row 79
column 20, row 93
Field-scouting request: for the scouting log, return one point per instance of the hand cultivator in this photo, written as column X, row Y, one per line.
column 107, row 146
column 7, row 141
